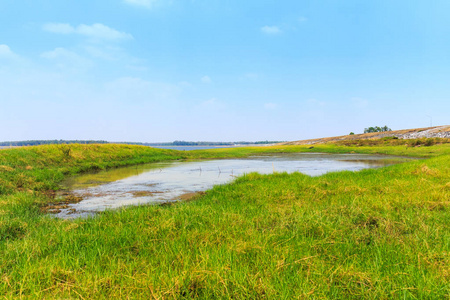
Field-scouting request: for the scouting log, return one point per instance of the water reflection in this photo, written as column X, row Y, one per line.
column 169, row 181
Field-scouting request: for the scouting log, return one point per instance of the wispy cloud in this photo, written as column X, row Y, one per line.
column 206, row 79
column 99, row 44
column 106, row 53
column 271, row 30
column 66, row 59
column 285, row 27
column 6, row 52
column 102, row 32
column 59, row 28
column 96, row 31
column 143, row 3
column 141, row 90
column 213, row 104
column 57, row 53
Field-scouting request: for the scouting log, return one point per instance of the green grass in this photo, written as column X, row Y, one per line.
column 374, row 234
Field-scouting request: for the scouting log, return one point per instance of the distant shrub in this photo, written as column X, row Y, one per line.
column 394, row 141
column 377, row 129
column 389, row 138
column 426, row 142
column 352, row 133
column 429, row 142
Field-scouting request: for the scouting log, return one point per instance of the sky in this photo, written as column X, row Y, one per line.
column 220, row 70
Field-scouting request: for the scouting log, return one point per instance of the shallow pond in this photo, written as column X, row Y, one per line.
column 172, row 181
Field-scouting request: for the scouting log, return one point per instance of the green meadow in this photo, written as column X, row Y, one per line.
column 373, row 234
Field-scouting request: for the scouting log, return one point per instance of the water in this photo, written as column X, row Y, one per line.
column 170, row 181
column 189, row 148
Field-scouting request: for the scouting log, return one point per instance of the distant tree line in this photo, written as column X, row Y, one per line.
column 377, row 129
column 48, row 142
column 175, row 143
column 186, row 143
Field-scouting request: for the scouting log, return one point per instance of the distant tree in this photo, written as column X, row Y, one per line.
column 352, row 133
column 377, row 129
column 49, row 142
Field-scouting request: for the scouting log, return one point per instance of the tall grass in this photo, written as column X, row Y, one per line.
column 374, row 234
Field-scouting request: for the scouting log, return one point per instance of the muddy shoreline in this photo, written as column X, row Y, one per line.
column 169, row 182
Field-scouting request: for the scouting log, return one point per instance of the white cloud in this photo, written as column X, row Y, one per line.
column 66, row 59
column 270, row 106
column 101, row 31
column 302, row 19
column 251, row 76
column 59, row 28
column 206, row 79
column 144, row 3
column 59, row 53
column 6, row 52
column 99, row 52
column 95, row 31
column 140, row 90
column 271, row 30
column 114, row 54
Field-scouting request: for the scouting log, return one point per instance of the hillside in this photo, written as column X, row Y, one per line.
column 428, row 132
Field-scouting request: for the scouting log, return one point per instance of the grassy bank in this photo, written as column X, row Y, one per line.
column 380, row 233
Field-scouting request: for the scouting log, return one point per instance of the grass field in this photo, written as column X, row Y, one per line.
column 374, row 234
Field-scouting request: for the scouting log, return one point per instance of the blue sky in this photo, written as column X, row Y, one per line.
column 229, row 70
